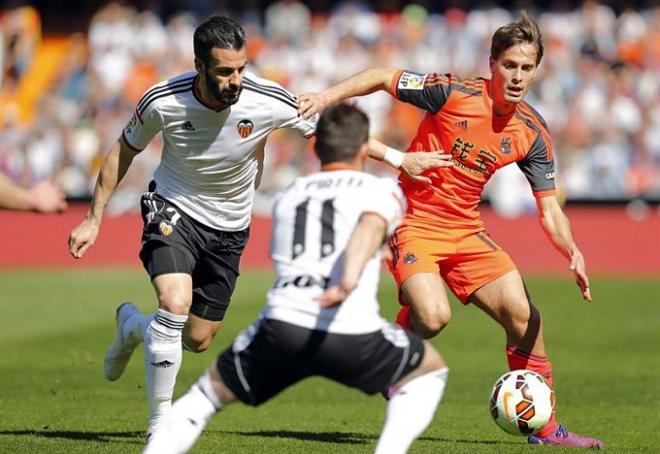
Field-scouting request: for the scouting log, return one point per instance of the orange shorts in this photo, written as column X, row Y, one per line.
column 466, row 259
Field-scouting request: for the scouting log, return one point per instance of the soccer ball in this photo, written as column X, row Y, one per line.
column 521, row 402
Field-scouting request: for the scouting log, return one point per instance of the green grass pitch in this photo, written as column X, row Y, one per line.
column 56, row 325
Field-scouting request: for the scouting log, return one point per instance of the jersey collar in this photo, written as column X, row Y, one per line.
column 198, row 96
column 336, row 166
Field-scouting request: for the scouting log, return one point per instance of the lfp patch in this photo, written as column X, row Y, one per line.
column 411, row 81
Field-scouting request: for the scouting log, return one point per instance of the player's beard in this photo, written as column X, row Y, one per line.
column 227, row 96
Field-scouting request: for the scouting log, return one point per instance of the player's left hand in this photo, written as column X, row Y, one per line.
column 416, row 163
column 579, row 269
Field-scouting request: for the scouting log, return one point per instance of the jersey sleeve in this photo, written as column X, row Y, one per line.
column 387, row 200
column 539, row 167
column 427, row 91
column 286, row 114
column 143, row 126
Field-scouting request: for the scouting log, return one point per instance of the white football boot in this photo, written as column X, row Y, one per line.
column 122, row 347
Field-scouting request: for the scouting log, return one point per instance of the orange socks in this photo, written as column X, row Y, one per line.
column 520, row 359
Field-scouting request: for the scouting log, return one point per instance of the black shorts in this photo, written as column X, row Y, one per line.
column 272, row 355
column 173, row 242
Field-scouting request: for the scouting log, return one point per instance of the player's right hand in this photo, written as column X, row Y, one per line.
column 416, row 163
column 310, row 104
column 83, row 237
column 335, row 295
column 579, row 270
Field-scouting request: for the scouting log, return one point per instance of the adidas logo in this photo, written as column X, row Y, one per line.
column 164, row 364
column 462, row 124
column 188, row 126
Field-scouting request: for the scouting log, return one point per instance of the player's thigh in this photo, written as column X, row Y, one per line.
column 432, row 361
column 216, row 273
column 477, row 262
column 169, row 238
column 505, row 299
column 174, row 292
column 264, row 360
column 370, row 362
column 425, row 293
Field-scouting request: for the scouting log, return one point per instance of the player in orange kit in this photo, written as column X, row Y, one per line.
column 485, row 124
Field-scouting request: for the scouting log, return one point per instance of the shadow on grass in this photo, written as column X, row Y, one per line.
column 349, row 437
column 103, row 437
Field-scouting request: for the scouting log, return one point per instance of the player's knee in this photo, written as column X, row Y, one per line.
column 429, row 324
column 175, row 301
column 432, row 358
column 525, row 318
column 197, row 342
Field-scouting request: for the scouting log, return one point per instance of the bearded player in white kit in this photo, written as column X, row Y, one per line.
column 214, row 122
column 322, row 317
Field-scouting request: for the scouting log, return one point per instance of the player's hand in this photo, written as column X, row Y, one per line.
column 416, row 163
column 83, row 237
column 334, row 295
column 47, row 197
column 310, row 104
column 579, row 269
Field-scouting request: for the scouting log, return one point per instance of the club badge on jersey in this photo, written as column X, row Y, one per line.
column 245, row 128
column 165, row 228
column 505, row 145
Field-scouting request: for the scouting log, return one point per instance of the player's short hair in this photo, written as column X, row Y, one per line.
column 340, row 132
column 526, row 30
column 218, row 31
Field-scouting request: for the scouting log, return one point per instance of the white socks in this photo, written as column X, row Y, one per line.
column 410, row 411
column 162, row 361
column 179, row 430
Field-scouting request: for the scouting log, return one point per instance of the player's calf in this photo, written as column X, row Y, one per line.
column 411, row 407
column 162, row 361
column 199, row 333
column 190, row 414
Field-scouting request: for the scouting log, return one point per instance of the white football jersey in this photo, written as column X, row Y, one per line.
column 313, row 220
column 210, row 159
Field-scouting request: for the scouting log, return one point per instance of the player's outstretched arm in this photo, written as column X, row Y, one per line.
column 43, row 197
column 114, row 168
column 558, row 229
column 413, row 164
column 366, row 238
column 362, row 83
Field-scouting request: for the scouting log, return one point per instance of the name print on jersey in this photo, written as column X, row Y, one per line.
column 329, row 183
column 245, row 128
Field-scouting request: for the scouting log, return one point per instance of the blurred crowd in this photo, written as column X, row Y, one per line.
column 598, row 87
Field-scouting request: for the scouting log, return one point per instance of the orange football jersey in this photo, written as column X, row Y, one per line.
column 461, row 121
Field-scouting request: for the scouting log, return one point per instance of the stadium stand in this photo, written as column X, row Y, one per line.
column 598, row 87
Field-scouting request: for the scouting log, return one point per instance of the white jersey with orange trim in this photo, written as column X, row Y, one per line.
column 211, row 160
column 313, row 220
